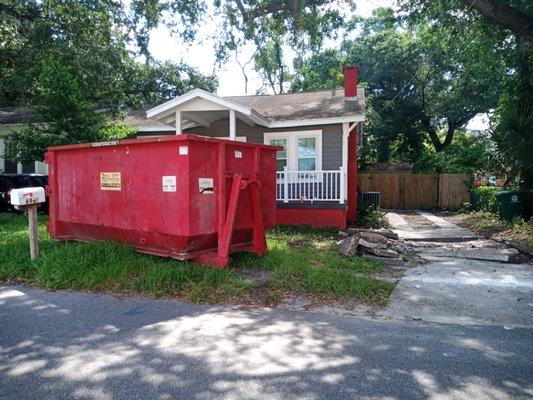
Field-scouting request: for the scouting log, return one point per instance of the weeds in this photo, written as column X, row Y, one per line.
column 304, row 260
column 516, row 233
column 369, row 215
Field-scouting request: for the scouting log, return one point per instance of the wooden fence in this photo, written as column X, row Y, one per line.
column 406, row 191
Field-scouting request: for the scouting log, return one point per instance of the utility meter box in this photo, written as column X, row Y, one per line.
column 27, row 196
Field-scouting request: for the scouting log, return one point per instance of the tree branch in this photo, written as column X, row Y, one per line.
column 28, row 16
column 505, row 15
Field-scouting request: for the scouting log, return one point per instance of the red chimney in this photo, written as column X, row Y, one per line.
column 351, row 76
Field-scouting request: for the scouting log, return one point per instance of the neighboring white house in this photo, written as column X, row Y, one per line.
column 14, row 119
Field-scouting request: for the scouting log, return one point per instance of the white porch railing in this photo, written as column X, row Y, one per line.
column 311, row 186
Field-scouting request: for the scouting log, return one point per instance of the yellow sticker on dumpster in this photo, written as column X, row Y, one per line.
column 110, row 181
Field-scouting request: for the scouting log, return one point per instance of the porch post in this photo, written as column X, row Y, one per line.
column 178, row 123
column 285, row 184
column 342, row 190
column 232, row 130
column 344, row 178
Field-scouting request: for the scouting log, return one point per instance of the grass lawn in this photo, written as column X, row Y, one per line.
column 518, row 233
column 300, row 261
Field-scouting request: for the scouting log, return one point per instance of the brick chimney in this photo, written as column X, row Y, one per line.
column 351, row 77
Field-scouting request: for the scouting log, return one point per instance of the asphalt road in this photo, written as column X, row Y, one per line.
column 87, row 346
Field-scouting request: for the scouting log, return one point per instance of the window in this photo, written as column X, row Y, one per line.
column 281, row 156
column 307, row 154
column 302, row 150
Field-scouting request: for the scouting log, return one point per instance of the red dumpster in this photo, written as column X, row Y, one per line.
column 185, row 196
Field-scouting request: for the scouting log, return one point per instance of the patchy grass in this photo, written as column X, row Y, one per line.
column 299, row 260
column 517, row 233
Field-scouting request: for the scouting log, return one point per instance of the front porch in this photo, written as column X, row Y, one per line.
column 311, row 186
column 317, row 168
column 314, row 198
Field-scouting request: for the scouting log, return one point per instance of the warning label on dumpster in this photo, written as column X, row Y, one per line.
column 169, row 184
column 205, row 185
column 110, row 181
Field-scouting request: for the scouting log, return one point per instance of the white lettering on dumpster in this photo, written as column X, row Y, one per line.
column 184, row 150
column 169, row 183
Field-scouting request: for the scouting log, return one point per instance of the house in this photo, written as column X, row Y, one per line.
column 319, row 131
column 13, row 119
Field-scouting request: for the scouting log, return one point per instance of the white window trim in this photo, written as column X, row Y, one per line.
column 292, row 145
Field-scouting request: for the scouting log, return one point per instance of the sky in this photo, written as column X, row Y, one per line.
column 201, row 55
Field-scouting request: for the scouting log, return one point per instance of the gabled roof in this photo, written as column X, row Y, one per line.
column 167, row 107
column 305, row 105
column 293, row 109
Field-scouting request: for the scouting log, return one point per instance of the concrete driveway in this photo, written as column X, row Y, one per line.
column 88, row 346
column 458, row 290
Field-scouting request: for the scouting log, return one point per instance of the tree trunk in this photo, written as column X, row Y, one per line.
column 505, row 15
column 434, row 137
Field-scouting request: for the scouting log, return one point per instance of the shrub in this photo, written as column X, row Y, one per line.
column 369, row 215
column 483, row 198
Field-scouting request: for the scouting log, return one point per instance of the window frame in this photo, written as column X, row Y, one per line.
column 292, row 146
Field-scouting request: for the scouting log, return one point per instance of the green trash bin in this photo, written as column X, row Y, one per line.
column 528, row 205
column 511, row 204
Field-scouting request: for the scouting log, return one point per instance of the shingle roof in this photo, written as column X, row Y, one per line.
column 284, row 107
column 305, row 105
column 138, row 117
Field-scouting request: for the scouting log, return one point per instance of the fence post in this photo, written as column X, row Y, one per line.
column 342, row 185
column 285, row 184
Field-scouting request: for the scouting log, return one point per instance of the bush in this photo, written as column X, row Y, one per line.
column 369, row 215
column 483, row 198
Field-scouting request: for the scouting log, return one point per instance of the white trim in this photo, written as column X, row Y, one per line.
column 316, row 121
column 273, row 124
column 292, row 145
column 232, row 124
column 344, row 166
column 154, row 128
column 178, row 123
column 237, row 138
column 197, row 93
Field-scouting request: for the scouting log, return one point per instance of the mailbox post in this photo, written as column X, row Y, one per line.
column 29, row 199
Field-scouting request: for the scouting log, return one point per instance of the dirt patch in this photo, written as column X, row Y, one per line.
column 489, row 226
column 418, row 222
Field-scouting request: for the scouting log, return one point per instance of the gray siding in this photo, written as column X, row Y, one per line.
column 331, row 137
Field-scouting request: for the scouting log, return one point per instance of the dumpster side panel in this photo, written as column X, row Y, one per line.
column 159, row 195
column 268, row 186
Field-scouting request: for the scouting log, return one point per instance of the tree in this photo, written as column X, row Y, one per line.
column 69, row 62
column 512, row 23
column 63, row 112
column 421, row 81
column 272, row 26
column 514, row 15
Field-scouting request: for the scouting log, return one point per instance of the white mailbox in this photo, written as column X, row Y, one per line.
column 27, row 196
